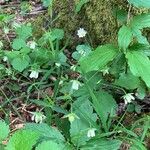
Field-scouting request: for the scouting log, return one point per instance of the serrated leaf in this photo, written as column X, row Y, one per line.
column 24, row 32
column 128, row 81
column 4, row 130
column 20, row 63
column 124, row 37
column 140, row 21
column 57, row 34
column 99, row 58
column 80, row 4
column 140, row 3
column 139, row 65
column 22, row 139
column 102, row 144
column 79, row 127
column 45, row 131
column 18, row 44
column 46, row 145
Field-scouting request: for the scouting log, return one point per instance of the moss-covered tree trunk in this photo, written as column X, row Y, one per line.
column 96, row 17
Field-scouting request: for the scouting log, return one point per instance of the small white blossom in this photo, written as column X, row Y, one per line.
column 5, row 58
column 91, row 132
column 105, row 71
column 71, row 117
column 81, row 33
column 34, row 74
column 75, row 84
column 38, row 117
column 32, row 44
column 58, row 64
column 128, row 98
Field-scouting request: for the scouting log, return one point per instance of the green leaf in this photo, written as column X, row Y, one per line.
column 20, row 63
column 102, row 144
column 57, row 34
column 45, row 131
column 24, row 32
column 124, row 37
column 140, row 21
column 140, row 3
column 80, row 4
column 87, row 119
column 46, row 145
column 4, row 130
column 128, row 81
column 99, row 58
column 139, row 65
column 106, row 108
column 22, row 139
column 18, row 44
column 140, row 38
column 47, row 3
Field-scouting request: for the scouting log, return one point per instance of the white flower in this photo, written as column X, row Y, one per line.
column 5, row 58
column 38, row 117
column 32, row 44
column 105, row 71
column 81, row 33
column 75, row 84
column 128, row 98
column 71, row 117
column 91, row 132
column 34, row 74
column 58, row 64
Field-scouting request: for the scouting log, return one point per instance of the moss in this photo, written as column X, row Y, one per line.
column 96, row 17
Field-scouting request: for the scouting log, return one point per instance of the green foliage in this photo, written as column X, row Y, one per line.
column 99, row 58
column 78, row 91
column 124, row 37
column 4, row 131
column 139, row 65
column 22, row 138
column 80, row 4
column 140, row 3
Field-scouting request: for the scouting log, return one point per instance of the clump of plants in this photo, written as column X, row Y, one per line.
column 77, row 95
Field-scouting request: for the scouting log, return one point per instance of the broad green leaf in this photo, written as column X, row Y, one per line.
column 20, row 63
column 140, row 21
column 24, row 139
column 4, row 130
column 102, row 144
column 106, row 107
column 128, row 81
column 79, row 127
column 46, row 145
column 139, row 65
column 124, row 37
column 18, row 44
column 99, row 58
column 24, row 32
column 140, row 3
column 57, row 34
column 80, row 4
column 45, row 131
